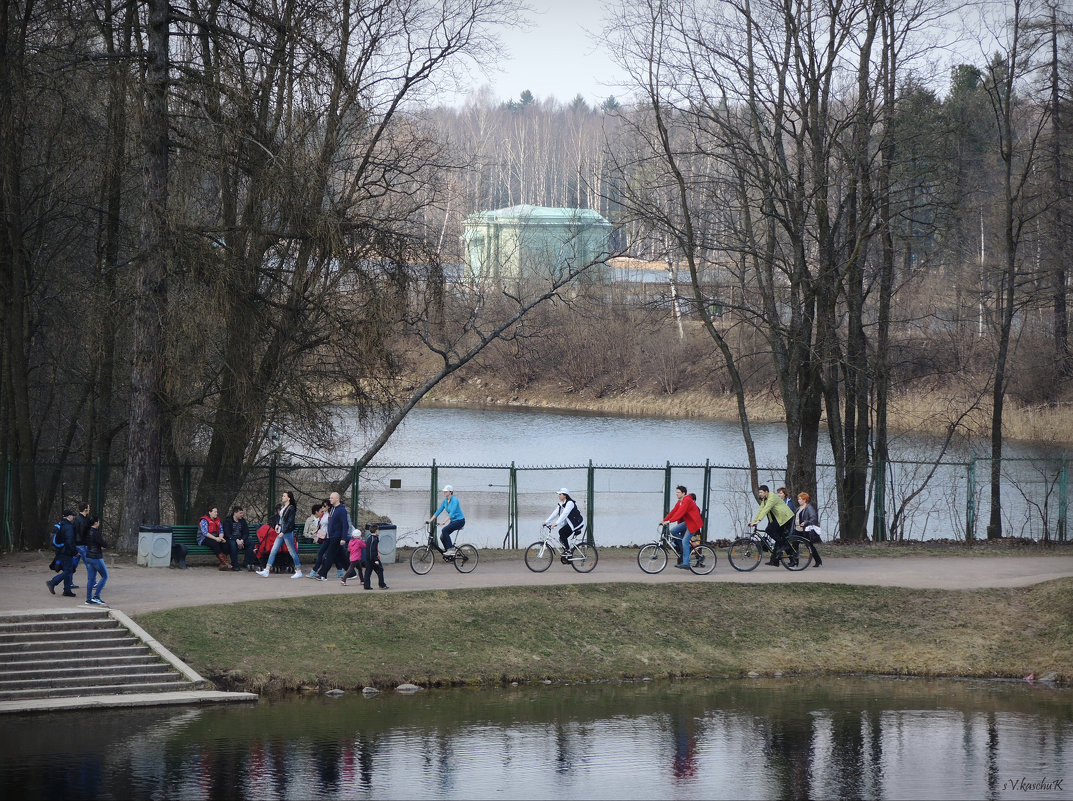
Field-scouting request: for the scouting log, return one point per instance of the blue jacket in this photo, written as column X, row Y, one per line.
column 338, row 523
column 453, row 507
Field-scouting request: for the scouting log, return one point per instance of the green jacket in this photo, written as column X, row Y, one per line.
column 776, row 507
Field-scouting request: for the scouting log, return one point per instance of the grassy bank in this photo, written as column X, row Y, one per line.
column 923, row 413
column 613, row 631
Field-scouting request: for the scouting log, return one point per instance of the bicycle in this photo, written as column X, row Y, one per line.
column 539, row 556
column 423, row 558
column 746, row 552
column 652, row 557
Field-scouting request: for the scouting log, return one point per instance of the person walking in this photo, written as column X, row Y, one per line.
column 807, row 524
column 356, row 548
column 372, row 558
column 338, row 529
column 567, row 517
column 456, row 520
column 65, row 541
column 284, row 534
column 210, row 532
column 81, row 527
column 316, row 528
column 685, row 515
column 96, row 572
column 779, row 519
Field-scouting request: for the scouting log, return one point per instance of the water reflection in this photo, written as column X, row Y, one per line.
column 851, row 738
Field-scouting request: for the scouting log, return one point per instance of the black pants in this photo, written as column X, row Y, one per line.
column 248, row 557
column 331, row 556
column 355, row 569
column 377, row 566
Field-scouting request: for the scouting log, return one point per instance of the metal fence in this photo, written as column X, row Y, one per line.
column 504, row 504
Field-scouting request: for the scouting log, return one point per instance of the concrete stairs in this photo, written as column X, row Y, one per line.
column 80, row 653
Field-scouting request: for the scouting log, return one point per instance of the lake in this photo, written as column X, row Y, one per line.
column 553, row 449
column 794, row 737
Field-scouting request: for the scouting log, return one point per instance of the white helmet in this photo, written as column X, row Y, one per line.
column 564, row 491
column 448, row 488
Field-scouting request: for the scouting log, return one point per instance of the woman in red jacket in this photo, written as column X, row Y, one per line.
column 686, row 516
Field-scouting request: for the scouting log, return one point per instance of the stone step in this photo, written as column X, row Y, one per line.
column 129, row 646
column 104, row 689
column 90, row 681
column 80, row 614
column 98, row 631
column 89, row 661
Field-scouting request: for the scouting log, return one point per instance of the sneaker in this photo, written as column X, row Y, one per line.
column 68, row 594
column 449, row 552
column 311, row 574
column 89, row 603
column 298, row 574
column 263, row 573
column 51, row 587
column 385, row 587
column 682, row 566
column 343, row 582
column 97, row 602
column 322, row 578
column 339, row 573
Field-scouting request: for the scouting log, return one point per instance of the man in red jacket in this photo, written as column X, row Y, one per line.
column 686, row 516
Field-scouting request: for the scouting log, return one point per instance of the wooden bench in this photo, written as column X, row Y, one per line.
column 186, row 535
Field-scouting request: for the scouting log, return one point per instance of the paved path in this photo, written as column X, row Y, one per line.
column 135, row 589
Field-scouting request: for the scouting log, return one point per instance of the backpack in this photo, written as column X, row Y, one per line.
column 56, row 537
column 575, row 518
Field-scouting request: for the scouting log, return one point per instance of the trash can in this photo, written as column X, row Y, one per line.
column 388, row 536
column 154, row 546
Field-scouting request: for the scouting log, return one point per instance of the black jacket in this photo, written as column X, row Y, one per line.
column 94, row 543
column 66, row 538
column 286, row 520
column 236, row 529
column 81, row 526
column 372, row 549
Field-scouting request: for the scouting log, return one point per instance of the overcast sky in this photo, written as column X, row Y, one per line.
column 555, row 56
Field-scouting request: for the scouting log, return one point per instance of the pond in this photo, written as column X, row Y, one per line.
column 553, row 449
column 793, row 737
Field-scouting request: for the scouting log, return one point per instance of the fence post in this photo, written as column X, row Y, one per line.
column 432, row 496
column 667, row 489
column 970, row 501
column 184, row 513
column 879, row 490
column 272, row 484
column 9, row 485
column 707, row 492
column 98, row 487
column 590, row 487
column 1063, row 486
column 354, row 495
column 512, row 503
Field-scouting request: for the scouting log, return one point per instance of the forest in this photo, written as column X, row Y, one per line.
column 221, row 220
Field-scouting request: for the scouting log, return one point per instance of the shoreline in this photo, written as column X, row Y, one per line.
column 928, row 414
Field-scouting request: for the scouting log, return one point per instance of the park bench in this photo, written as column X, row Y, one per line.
column 186, row 535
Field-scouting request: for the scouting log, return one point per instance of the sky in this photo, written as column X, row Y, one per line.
column 555, row 56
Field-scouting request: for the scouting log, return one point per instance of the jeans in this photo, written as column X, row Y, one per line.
column 248, row 545
column 331, row 555
column 95, row 567
column 68, row 563
column 80, row 555
column 681, row 533
column 288, row 540
column 448, row 530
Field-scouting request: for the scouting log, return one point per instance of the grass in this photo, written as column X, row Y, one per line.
column 623, row 631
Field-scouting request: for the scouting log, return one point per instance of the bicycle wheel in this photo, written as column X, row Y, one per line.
column 796, row 555
column 465, row 558
column 652, row 558
column 744, row 554
column 702, row 560
column 538, row 557
column 588, row 560
column 422, row 560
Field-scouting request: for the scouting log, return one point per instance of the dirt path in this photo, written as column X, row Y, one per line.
column 135, row 589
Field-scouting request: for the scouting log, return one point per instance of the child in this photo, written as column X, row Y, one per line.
column 372, row 558
column 357, row 556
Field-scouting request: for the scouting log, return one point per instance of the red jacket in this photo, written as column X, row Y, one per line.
column 686, row 511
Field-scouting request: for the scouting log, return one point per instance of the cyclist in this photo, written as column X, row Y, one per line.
column 686, row 517
column 453, row 508
column 779, row 516
column 568, row 517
